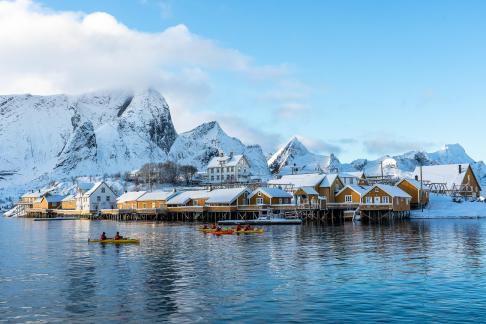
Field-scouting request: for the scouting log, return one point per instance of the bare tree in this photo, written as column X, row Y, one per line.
column 187, row 172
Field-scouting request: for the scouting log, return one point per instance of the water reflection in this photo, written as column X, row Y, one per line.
column 416, row 271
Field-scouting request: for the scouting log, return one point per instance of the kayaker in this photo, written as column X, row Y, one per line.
column 248, row 227
column 213, row 226
column 205, row 226
column 103, row 236
column 238, row 227
column 118, row 236
column 219, row 229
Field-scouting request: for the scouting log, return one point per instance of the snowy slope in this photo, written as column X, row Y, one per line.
column 294, row 153
column 199, row 145
column 443, row 207
column 93, row 134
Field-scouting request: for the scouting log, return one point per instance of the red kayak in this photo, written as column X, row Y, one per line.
column 228, row 232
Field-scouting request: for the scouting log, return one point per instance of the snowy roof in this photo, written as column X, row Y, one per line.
column 93, row 189
column 360, row 190
column 54, row 198
column 130, row 196
column 391, row 190
column 225, row 196
column 328, row 180
column 309, row 190
column 353, row 174
column 157, row 195
column 413, row 182
column 299, row 180
column 272, row 192
column 68, row 198
column 226, row 160
column 35, row 194
column 183, row 197
column 444, row 173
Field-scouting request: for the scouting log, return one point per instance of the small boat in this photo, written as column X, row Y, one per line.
column 113, row 241
column 55, row 219
column 226, row 232
column 264, row 220
column 253, row 231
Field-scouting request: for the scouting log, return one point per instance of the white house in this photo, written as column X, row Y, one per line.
column 96, row 196
column 231, row 168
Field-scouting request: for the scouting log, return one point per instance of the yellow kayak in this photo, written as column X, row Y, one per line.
column 112, row 241
column 253, row 231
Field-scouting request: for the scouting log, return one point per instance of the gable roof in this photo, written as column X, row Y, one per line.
column 413, row 182
column 130, row 196
column 299, row 180
column 225, row 196
column 227, row 160
column 53, row 198
column 391, row 190
column 308, row 190
column 157, row 195
column 360, row 190
column 443, row 173
column 272, row 192
column 352, row 174
column 184, row 196
column 35, row 194
column 94, row 187
column 68, row 198
column 328, row 180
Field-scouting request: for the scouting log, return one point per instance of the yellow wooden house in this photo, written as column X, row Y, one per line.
column 329, row 187
column 68, row 203
column 413, row 188
column 48, row 202
column 351, row 194
column 129, row 199
column 270, row 196
column 155, row 199
column 385, row 197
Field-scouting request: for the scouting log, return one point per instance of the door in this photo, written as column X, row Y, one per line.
column 377, row 200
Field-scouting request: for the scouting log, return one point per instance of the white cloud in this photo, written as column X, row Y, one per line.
column 319, row 146
column 45, row 51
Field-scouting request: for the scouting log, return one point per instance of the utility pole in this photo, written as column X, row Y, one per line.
column 381, row 167
column 421, row 189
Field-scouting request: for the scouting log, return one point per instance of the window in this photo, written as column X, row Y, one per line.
column 212, row 177
column 103, row 190
column 107, row 198
column 144, row 205
column 259, row 194
column 259, row 201
column 368, row 200
column 153, row 204
column 98, row 198
column 348, row 198
column 280, row 201
column 384, row 199
column 217, row 177
column 377, row 200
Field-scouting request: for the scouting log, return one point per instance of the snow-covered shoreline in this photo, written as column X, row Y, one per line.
column 444, row 207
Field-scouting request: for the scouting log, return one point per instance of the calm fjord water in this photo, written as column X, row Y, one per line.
column 417, row 271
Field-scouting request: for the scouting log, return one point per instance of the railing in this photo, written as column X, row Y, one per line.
column 376, row 206
column 346, row 205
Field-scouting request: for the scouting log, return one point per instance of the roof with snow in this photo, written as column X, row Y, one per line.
column 360, row 190
column 309, row 190
column 272, row 192
column 157, row 195
column 413, row 182
column 225, row 196
column 353, row 174
column 444, row 173
column 226, row 161
column 53, row 198
column 299, row 180
column 328, row 180
column 184, row 196
column 35, row 194
column 68, row 198
column 130, row 196
column 391, row 190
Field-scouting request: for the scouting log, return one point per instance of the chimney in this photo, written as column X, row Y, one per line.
column 460, row 168
column 416, row 177
column 231, row 155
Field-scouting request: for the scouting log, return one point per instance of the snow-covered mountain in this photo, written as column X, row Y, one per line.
column 294, row 154
column 93, row 134
column 198, row 146
column 404, row 164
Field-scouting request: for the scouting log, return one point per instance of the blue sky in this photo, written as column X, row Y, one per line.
column 357, row 78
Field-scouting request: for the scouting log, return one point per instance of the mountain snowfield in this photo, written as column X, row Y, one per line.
column 58, row 138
